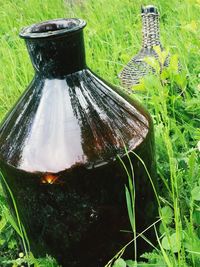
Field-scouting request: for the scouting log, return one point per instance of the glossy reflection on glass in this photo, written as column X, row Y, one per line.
column 49, row 178
column 58, row 150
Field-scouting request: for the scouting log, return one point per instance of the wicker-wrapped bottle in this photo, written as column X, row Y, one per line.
column 58, row 149
column 137, row 68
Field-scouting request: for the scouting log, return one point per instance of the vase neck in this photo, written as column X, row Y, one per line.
column 56, row 49
column 150, row 27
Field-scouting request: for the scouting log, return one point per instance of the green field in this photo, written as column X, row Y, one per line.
column 112, row 37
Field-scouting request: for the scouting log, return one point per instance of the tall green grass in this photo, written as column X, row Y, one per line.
column 112, row 37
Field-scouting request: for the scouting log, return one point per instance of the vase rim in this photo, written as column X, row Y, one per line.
column 149, row 9
column 51, row 28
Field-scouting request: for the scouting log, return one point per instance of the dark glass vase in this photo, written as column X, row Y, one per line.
column 58, row 149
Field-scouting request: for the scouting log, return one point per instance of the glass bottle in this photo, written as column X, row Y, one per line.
column 137, row 68
column 58, row 153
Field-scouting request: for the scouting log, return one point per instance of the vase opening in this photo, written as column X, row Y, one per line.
column 149, row 10
column 52, row 28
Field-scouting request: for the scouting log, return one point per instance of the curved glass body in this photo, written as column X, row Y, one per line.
column 58, row 149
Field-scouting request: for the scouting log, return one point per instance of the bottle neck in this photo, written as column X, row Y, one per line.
column 56, row 57
column 150, row 30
